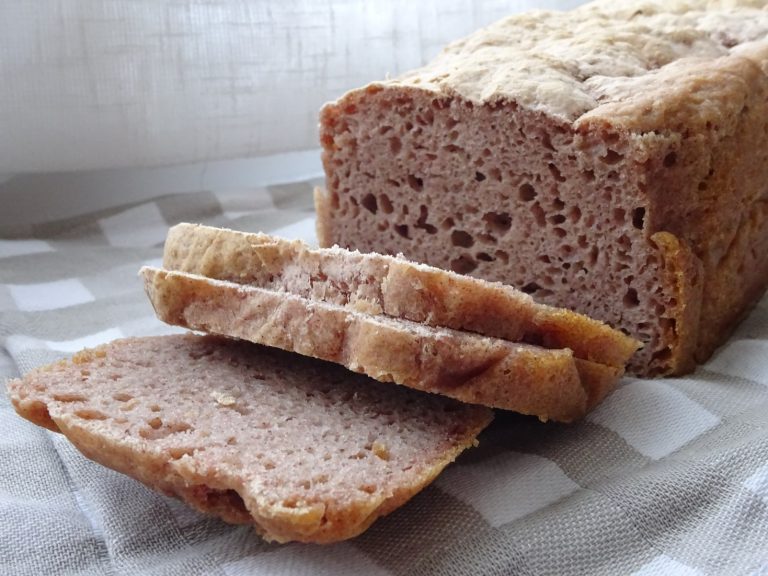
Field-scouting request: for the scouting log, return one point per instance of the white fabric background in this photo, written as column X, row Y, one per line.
column 90, row 84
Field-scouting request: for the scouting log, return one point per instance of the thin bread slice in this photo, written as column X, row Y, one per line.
column 393, row 286
column 462, row 365
column 303, row 449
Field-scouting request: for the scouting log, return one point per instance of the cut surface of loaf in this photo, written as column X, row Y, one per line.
column 550, row 384
column 611, row 160
column 392, row 286
column 303, row 449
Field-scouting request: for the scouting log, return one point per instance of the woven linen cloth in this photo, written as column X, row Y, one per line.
column 667, row 476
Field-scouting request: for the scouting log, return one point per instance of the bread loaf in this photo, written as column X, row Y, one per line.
column 547, row 383
column 610, row 160
column 302, row 449
column 392, row 286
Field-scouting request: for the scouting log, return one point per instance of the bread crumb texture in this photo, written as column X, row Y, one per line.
column 610, row 160
column 302, row 449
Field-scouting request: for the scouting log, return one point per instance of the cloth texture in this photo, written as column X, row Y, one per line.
column 667, row 476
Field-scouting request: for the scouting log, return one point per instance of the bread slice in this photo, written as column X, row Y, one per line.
column 303, row 449
column 462, row 365
column 611, row 159
column 393, row 286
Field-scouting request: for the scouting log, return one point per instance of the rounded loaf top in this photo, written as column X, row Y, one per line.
column 569, row 63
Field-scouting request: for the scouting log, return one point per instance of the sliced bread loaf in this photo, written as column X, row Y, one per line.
column 612, row 159
column 302, row 449
column 463, row 365
column 392, row 286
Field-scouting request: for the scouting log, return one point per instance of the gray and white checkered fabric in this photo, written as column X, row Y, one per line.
column 668, row 476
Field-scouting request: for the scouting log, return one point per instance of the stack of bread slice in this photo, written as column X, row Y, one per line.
column 389, row 318
column 301, row 447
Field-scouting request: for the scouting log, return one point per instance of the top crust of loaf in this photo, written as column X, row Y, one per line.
column 568, row 64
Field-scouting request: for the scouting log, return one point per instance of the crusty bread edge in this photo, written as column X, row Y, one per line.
column 406, row 289
column 495, row 373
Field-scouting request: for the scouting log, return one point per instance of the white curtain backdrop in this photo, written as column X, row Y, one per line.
column 94, row 84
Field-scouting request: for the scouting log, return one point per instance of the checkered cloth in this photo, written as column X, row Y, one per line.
column 667, row 476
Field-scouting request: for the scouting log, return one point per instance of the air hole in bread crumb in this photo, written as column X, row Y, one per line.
column 630, row 299
column 479, row 176
column 557, row 219
column 69, row 397
column 155, row 408
column 495, row 173
column 90, row 414
column 448, row 223
column 592, row 257
column 559, row 232
column 531, row 288
column 503, row 256
column 555, row 171
column 370, row 203
column 484, row 257
column 462, row 239
column 395, row 145
column 538, row 215
column 422, row 221
column 367, row 488
column 612, row 157
column 638, row 218
column 385, row 203
column 464, row 264
column 498, row 222
column 526, row 192
column 426, row 119
column 416, row 183
column 402, row 230
column 670, row 159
